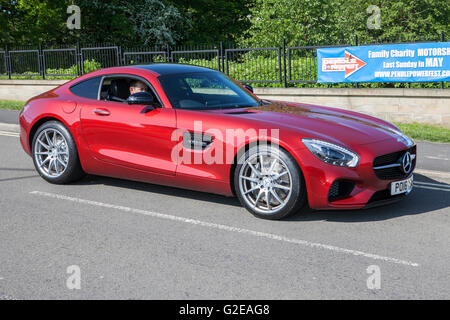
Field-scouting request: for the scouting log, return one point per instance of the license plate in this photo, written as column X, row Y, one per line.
column 402, row 186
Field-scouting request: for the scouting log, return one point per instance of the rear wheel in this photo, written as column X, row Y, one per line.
column 269, row 183
column 55, row 155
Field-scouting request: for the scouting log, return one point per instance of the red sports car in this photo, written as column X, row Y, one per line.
column 195, row 128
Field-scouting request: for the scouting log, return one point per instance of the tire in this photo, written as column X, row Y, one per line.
column 55, row 154
column 275, row 192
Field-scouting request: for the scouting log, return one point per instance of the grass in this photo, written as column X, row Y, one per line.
column 11, row 104
column 425, row 132
column 414, row 130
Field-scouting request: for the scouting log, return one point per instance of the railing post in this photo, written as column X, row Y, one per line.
column 442, row 40
column 221, row 58
column 78, row 59
column 284, row 64
column 356, row 44
column 119, row 56
column 169, row 58
column 41, row 62
column 8, row 62
column 226, row 63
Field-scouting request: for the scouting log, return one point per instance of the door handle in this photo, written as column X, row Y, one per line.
column 102, row 112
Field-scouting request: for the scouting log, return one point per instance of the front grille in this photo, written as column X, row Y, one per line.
column 392, row 173
column 340, row 189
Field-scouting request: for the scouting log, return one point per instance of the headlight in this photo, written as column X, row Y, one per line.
column 331, row 153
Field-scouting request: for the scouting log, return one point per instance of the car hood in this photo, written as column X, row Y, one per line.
column 332, row 124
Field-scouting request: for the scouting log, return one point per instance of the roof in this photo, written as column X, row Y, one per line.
column 172, row 68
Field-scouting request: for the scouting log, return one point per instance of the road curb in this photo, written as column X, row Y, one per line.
column 10, row 127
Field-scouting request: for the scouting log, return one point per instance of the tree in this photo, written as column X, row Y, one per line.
column 32, row 21
column 156, row 22
column 399, row 19
column 149, row 22
column 259, row 22
column 215, row 20
column 152, row 22
column 338, row 21
column 297, row 21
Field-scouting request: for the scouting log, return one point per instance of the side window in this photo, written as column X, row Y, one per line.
column 87, row 89
column 119, row 88
column 106, row 85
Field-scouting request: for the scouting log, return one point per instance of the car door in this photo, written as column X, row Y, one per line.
column 120, row 134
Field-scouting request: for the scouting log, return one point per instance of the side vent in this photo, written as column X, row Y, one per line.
column 196, row 141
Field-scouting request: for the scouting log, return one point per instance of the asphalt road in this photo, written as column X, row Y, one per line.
column 140, row 241
column 9, row 116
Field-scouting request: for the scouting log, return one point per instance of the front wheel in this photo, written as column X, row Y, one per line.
column 269, row 182
column 55, row 154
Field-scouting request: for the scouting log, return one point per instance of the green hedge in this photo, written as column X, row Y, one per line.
column 52, row 74
column 253, row 66
column 264, row 68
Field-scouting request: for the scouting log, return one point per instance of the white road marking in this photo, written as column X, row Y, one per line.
column 431, row 188
column 433, row 184
column 439, row 185
column 437, row 158
column 229, row 228
column 425, row 172
column 9, row 134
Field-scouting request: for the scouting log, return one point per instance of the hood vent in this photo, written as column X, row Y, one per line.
column 242, row 112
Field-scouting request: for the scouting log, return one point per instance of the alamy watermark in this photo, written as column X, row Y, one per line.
column 74, row 20
column 73, row 282
column 216, row 146
column 374, row 21
column 374, row 280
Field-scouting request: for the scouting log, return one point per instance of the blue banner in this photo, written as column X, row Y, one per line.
column 417, row 62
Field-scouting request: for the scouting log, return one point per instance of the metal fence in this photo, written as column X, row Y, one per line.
column 209, row 58
column 144, row 57
column 281, row 65
column 100, row 57
column 3, row 64
column 59, row 62
column 23, row 63
column 257, row 65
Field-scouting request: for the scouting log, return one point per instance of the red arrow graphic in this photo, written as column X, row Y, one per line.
column 349, row 64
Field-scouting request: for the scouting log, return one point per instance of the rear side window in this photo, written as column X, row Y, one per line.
column 87, row 89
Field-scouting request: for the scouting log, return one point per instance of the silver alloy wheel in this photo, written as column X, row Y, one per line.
column 265, row 182
column 51, row 153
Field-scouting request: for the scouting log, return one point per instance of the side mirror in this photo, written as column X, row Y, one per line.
column 143, row 98
column 148, row 109
column 248, row 87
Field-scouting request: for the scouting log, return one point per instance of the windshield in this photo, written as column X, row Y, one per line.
column 205, row 90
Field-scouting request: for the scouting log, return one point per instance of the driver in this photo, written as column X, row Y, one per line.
column 137, row 86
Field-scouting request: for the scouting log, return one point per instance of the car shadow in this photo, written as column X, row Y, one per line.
column 20, row 177
column 420, row 201
column 154, row 188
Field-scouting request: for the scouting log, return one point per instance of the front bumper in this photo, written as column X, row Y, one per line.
column 333, row 188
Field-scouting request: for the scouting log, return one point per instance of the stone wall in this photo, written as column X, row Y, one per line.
column 428, row 106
